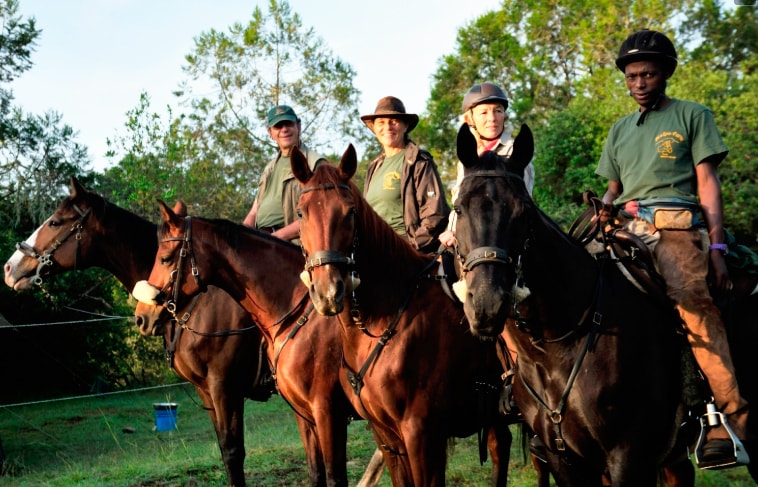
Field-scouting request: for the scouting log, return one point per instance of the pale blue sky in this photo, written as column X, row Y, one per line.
column 95, row 57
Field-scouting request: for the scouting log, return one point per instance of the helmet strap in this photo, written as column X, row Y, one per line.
column 654, row 106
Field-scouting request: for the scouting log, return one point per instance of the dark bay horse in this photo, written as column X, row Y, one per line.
column 597, row 373
column 217, row 348
column 261, row 272
column 417, row 373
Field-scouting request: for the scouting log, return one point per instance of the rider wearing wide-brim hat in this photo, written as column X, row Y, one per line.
column 403, row 184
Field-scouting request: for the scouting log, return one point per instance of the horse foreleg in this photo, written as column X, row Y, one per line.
column 573, row 475
column 331, row 425
column 227, row 415
column 395, row 458
column 314, row 458
column 427, row 452
column 499, row 439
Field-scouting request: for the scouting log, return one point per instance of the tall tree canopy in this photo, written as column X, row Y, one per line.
column 212, row 155
column 555, row 61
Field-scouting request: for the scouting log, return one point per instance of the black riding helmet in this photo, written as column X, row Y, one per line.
column 483, row 93
column 647, row 45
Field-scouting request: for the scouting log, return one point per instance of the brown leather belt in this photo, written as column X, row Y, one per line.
column 269, row 229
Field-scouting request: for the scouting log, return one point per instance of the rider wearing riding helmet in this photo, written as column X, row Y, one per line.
column 661, row 164
column 484, row 111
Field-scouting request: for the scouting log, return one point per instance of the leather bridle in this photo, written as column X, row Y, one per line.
column 45, row 259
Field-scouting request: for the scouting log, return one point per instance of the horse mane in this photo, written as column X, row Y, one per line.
column 372, row 229
column 230, row 232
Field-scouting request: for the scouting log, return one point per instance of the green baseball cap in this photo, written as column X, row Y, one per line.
column 280, row 113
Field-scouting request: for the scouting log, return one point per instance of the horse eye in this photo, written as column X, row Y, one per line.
column 55, row 223
column 457, row 209
column 165, row 260
column 299, row 212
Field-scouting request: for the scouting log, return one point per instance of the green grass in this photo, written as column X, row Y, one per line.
column 110, row 441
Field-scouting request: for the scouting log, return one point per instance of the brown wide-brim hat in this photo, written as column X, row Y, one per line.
column 391, row 107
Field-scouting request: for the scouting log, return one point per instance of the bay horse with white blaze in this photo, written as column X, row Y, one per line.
column 216, row 346
column 417, row 373
column 597, row 372
column 261, row 273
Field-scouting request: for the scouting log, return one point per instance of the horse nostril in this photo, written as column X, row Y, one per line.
column 339, row 289
column 139, row 320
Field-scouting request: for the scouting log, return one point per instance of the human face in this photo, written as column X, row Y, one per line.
column 390, row 132
column 645, row 80
column 286, row 134
column 488, row 120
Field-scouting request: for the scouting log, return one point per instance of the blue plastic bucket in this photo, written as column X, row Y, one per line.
column 165, row 416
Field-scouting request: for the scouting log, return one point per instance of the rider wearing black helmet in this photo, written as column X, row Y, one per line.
column 484, row 111
column 661, row 164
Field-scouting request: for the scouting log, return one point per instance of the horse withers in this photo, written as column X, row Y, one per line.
column 217, row 347
column 597, row 373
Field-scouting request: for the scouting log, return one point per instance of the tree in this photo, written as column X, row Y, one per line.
column 212, row 156
column 543, row 54
column 38, row 154
column 556, row 62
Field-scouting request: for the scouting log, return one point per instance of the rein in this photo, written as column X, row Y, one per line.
column 556, row 415
column 324, row 257
column 180, row 323
column 45, row 258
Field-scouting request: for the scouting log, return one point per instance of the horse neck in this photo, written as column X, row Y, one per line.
column 123, row 244
column 387, row 265
column 559, row 273
column 262, row 273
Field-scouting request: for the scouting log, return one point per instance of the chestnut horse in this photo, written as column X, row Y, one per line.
column 217, row 347
column 261, row 272
column 598, row 373
column 418, row 375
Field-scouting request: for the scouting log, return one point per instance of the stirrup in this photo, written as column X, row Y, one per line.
column 710, row 419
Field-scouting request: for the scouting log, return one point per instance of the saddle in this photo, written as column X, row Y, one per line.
column 627, row 250
column 635, row 260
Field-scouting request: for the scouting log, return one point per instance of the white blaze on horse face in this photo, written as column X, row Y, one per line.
column 144, row 292
column 11, row 266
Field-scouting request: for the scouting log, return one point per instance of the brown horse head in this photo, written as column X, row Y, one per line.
column 56, row 244
column 490, row 230
column 327, row 196
column 160, row 292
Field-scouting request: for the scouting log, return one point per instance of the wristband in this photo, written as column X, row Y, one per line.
column 721, row 247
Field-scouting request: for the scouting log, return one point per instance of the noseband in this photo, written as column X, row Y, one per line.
column 324, row 257
column 487, row 254
column 45, row 258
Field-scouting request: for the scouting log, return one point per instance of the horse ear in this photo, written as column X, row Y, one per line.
column 76, row 187
column 299, row 164
column 349, row 163
column 467, row 152
column 523, row 149
column 180, row 208
column 168, row 214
